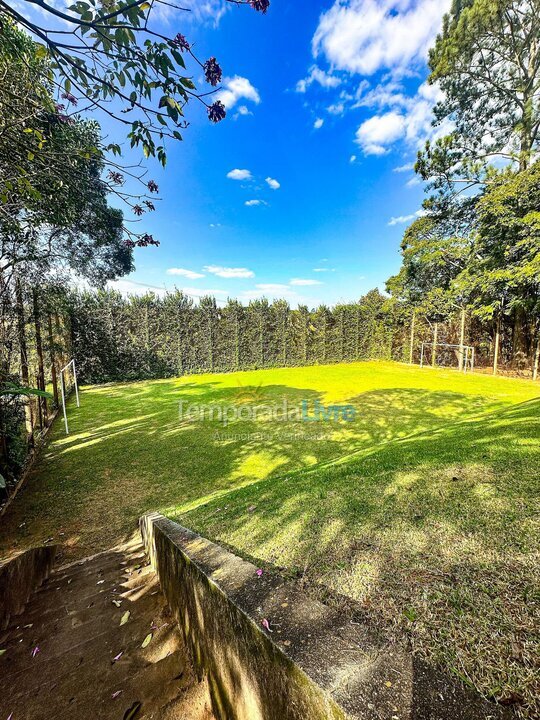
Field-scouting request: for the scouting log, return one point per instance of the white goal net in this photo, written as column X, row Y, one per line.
column 447, row 355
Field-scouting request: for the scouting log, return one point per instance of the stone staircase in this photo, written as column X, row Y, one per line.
column 97, row 641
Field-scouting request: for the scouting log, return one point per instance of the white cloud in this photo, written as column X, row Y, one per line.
column 352, row 159
column 319, row 122
column 242, row 110
column 316, row 75
column 210, row 11
column 408, row 118
column 235, row 89
column 228, row 272
column 336, row 108
column 324, row 270
column 304, row 283
column 271, row 182
column 272, row 287
column 254, row 203
column 190, row 274
column 238, row 174
column 375, row 134
column 404, row 168
column 406, row 218
column 364, row 36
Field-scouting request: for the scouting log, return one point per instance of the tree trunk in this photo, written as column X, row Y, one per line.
column 52, row 355
column 236, row 341
column 39, row 350
column 341, row 339
column 462, row 339
column 536, row 360
column 434, row 345
column 411, row 347
column 496, row 347
column 23, row 350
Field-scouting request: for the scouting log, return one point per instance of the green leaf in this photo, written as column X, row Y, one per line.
column 147, row 640
column 11, row 389
column 132, row 711
column 125, row 618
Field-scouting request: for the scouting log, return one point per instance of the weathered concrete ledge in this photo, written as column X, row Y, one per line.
column 20, row 576
column 312, row 663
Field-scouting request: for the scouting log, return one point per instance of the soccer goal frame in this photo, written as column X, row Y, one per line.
column 63, row 390
column 466, row 352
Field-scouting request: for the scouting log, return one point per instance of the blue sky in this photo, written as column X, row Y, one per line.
column 325, row 99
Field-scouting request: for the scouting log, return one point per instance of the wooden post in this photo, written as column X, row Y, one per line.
column 497, row 343
column 462, row 339
column 411, row 349
column 434, row 345
column 52, row 355
column 42, row 402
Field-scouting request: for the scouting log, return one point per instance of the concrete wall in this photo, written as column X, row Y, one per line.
column 312, row 664
column 20, row 576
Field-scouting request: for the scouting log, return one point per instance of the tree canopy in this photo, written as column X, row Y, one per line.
column 109, row 56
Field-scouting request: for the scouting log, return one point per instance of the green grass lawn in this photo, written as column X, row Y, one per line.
column 424, row 510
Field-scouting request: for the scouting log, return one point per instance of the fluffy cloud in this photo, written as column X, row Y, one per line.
column 336, row 108
column 238, row 174
column 380, row 130
column 316, row 75
column 407, row 118
column 405, row 218
column 242, row 110
column 254, row 203
column 235, row 89
column 271, row 182
column 364, row 36
column 404, row 168
column 272, row 287
column 190, row 274
column 227, row 272
column 319, row 122
column 304, row 283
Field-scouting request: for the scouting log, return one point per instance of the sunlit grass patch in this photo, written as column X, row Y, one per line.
column 423, row 510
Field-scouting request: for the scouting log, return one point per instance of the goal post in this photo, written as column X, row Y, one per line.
column 64, row 389
column 447, row 355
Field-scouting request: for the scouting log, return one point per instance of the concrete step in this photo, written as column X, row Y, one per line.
column 88, row 664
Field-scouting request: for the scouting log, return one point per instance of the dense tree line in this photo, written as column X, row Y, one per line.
column 477, row 246
column 119, row 338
